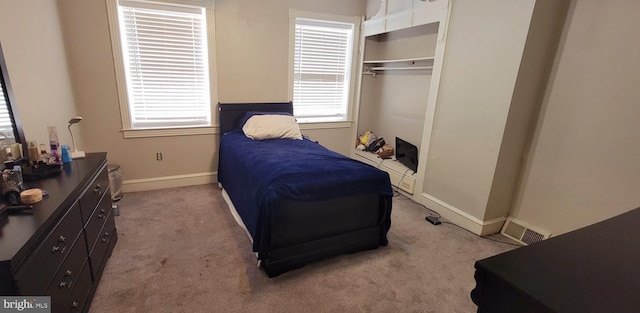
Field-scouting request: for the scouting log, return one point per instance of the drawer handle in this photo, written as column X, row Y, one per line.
column 98, row 190
column 106, row 237
column 67, row 280
column 60, row 246
column 101, row 215
column 74, row 307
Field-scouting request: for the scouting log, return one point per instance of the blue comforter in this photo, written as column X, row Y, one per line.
column 256, row 174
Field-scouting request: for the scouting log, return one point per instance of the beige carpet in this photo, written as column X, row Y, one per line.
column 180, row 250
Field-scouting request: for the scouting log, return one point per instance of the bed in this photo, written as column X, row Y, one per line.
column 298, row 201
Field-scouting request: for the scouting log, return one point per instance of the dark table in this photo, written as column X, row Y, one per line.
column 592, row 269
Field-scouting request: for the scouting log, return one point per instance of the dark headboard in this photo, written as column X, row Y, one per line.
column 230, row 114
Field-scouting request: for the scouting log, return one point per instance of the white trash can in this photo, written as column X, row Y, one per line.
column 115, row 184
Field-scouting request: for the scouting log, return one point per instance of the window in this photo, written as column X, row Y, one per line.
column 6, row 125
column 10, row 127
column 164, row 65
column 322, row 65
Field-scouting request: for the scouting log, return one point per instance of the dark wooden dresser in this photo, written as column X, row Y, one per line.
column 595, row 269
column 61, row 249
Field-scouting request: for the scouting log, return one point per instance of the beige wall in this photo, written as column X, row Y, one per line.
column 542, row 41
column 485, row 42
column 583, row 164
column 252, row 40
column 33, row 48
column 87, row 40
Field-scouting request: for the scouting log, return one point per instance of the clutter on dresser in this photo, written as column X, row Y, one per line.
column 31, row 196
column 13, row 206
column 39, row 163
column 19, row 168
column 40, row 170
column 11, row 182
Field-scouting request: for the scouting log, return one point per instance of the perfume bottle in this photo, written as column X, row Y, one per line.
column 53, row 145
column 34, row 155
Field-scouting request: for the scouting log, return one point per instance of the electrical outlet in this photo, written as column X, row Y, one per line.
column 407, row 185
column 159, row 156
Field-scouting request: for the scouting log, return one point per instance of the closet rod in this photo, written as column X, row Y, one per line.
column 382, row 68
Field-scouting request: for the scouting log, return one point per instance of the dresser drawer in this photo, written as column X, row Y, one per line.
column 68, row 275
column 97, row 255
column 96, row 221
column 34, row 277
column 93, row 194
column 78, row 299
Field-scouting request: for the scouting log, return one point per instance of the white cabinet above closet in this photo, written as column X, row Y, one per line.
column 398, row 14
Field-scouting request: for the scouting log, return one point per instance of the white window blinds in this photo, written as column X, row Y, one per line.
column 166, row 68
column 6, row 126
column 321, row 70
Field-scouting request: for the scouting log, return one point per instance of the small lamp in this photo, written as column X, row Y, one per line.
column 75, row 154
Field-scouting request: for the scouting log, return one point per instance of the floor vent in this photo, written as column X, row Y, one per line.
column 522, row 233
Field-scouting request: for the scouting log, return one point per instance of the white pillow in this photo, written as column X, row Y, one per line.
column 259, row 127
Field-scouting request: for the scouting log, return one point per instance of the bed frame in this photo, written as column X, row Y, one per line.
column 349, row 224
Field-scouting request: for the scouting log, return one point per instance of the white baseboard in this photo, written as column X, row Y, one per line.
column 164, row 182
column 447, row 211
column 461, row 218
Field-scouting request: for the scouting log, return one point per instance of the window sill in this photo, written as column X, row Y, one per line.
column 209, row 130
column 325, row 125
column 169, row 132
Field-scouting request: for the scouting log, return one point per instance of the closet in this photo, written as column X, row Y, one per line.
column 470, row 108
column 402, row 56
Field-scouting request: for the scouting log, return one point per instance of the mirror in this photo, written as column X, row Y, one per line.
column 11, row 132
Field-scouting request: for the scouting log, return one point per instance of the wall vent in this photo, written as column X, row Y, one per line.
column 523, row 233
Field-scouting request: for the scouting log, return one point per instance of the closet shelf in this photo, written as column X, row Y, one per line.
column 373, row 66
column 399, row 60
